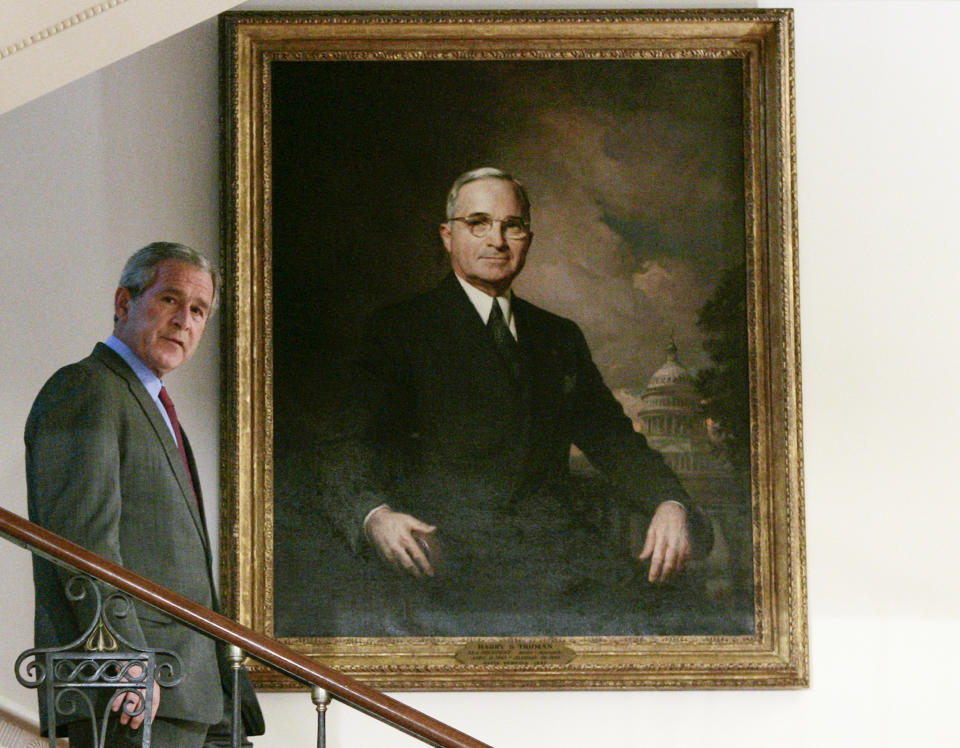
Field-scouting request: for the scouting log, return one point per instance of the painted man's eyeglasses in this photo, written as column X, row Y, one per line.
column 480, row 224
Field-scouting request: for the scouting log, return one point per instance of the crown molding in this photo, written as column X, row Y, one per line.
column 51, row 30
column 46, row 44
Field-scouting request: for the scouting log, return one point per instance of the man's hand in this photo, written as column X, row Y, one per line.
column 667, row 543
column 402, row 541
column 134, row 700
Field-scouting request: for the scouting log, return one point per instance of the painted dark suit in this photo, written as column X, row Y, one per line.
column 104, row 471
column 449, row 436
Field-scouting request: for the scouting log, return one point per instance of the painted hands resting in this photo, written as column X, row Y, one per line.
column 408, row 544
column 667, row 543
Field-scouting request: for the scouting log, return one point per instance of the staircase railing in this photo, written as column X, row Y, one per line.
column 255, row 645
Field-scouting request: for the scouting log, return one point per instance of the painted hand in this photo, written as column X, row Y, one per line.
column 667, row 543
column 403, row 541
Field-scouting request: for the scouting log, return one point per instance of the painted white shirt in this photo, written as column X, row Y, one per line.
column 484, row 304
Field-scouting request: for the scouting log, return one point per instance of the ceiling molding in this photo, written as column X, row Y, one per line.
column 62, row 25
column 47, row 44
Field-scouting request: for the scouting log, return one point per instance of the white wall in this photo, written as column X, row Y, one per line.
column 126, row 155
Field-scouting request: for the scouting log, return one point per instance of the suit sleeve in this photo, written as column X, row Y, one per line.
column 73, row 476
column 360, row 469
column 606, row 436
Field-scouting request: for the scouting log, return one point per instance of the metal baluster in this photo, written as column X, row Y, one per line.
column 99, row 660
column 321, row 698
column 235, row 656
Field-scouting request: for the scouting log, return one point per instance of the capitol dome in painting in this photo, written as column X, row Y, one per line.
column 669, row 412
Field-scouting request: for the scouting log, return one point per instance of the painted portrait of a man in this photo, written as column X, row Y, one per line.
column 510, row 377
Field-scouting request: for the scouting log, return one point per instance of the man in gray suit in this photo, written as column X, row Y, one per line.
column 109, row 467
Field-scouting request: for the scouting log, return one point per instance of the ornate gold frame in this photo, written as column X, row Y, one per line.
column 777, row 655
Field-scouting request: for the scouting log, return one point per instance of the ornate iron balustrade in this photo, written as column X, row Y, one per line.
column 326, row 683
column 72, row 676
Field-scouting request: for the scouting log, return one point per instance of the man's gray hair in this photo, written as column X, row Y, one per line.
column 486, row 172
column 141, row 269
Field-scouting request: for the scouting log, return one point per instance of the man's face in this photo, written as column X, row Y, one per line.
column 490, row 262
column 165, row 323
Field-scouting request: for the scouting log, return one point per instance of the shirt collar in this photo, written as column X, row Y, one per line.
column 150, row 380
column 483, row 303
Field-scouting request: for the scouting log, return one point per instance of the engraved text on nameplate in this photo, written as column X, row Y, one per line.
column 514, row 652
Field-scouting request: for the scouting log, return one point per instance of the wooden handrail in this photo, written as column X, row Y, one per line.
column 268, row 651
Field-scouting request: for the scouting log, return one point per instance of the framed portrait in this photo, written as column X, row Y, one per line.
column 619, row 505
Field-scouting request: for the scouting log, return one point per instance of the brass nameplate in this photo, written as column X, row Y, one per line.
column 514, row 652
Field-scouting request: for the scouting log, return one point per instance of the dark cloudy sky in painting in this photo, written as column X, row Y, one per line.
column 634, row 169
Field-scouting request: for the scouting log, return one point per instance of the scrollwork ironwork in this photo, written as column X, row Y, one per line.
column 101, row 659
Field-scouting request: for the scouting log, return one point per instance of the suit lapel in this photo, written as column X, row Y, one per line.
column 538, row 347
column 198, row 504
column 464, row 314
column 527, row 343
column 164, row 438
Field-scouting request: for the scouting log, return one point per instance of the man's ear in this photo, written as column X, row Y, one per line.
column 121, row 304
column 445, row 236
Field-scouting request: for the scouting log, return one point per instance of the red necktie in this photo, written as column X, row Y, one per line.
column 172, row 413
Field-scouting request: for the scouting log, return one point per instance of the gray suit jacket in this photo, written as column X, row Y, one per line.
column 104, row 471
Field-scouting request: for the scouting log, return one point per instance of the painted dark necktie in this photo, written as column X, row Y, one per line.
column 504, row 340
